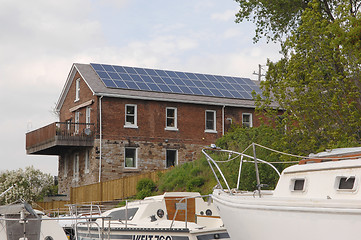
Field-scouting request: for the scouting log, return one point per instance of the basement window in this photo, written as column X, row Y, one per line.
column 130, row 160
column 171, row 158
column 76, row 167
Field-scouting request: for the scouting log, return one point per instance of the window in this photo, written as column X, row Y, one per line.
column 130, row 116
column 123, row 214
column 77, row 89
column 76, row 122
column 210, row 121
column 299, row 184
column 247, row 120
column 65, row 166
column 171, row 158
column 87, row 161
column 87, row 117
column 171, row 119
column 346, row 183
column 76, row 167
column 130, row 158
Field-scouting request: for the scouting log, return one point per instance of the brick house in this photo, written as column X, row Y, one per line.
column 116, row 121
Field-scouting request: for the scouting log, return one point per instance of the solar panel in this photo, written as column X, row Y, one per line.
column 155, row 80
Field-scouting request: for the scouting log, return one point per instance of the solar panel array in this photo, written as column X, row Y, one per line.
column 155, row 80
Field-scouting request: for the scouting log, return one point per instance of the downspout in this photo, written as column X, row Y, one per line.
column 100, row 137
column 223, row 120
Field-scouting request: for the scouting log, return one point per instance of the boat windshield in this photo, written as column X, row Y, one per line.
column 122, row 214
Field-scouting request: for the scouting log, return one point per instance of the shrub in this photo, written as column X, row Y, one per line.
column 145, row 187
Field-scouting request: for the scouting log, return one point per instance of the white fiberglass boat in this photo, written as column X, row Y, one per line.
column 171, row 216
column 319, row 198
column 21, row 222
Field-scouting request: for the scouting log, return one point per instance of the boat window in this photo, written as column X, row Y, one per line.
column 120, row 214
column 298, row 184
column 346, row 183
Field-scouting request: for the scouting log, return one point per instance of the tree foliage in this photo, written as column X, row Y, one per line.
column 277, row 19
column 29, row 184
column 317, row 81
column 197, row 175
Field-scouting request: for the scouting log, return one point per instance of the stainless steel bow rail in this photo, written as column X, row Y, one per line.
column 232, row 155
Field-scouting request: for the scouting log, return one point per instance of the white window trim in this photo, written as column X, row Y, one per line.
column 136, row 158
column 87, row 117
column 214, row 130
column 76, row 167
column 176, row 157
column 175, row 128
column 292, row 185
column 87, row 161
column 250, row 119
column 76, row 122
column 127, row 124
column 77, row 90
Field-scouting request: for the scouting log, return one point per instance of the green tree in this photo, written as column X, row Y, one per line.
column 29, row 184
column 277, row 19
column 317, row 81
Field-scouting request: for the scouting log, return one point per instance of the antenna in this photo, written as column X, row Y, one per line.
column 259, row 74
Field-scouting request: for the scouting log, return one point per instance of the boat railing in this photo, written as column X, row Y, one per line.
column 232, row 155
column 90, row 225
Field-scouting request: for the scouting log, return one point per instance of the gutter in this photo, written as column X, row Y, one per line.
column 224, row 106
column 100, row 138
column 164, row 99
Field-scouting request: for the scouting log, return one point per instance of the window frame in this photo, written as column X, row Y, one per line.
column 175, row 119
column 214, row 130
column 250, row 120
column 77, row 90
column 76, row 167
column 65, row 169
column 135, row 157
column 87, row 161
column 166, row 158
column 87, row 117
column 129, row 124
column 76, row 122
column 345, row 190
column 293, row 182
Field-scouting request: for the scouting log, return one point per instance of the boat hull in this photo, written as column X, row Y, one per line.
column 150, row 234
column 255, row 218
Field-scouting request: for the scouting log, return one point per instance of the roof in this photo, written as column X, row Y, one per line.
column 163, row 85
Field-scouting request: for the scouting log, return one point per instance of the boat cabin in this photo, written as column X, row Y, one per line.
column 328, row 175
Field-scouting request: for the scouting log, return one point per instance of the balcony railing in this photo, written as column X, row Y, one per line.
column 49, row 140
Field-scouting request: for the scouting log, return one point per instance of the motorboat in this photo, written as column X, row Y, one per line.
column 318, row 198
column 171, row 216
column 19, row 221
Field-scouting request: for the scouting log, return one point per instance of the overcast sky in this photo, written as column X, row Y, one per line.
column 41, row 39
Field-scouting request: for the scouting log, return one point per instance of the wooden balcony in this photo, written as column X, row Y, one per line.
column 59, row 137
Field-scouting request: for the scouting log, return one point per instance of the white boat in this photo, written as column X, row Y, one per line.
column 320, row 198
column 171, row 216
column 21, row 222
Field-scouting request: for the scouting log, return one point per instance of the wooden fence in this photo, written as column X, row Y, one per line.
column 53, row 206
column 101, row 192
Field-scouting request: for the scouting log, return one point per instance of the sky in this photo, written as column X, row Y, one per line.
column 41, row 39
